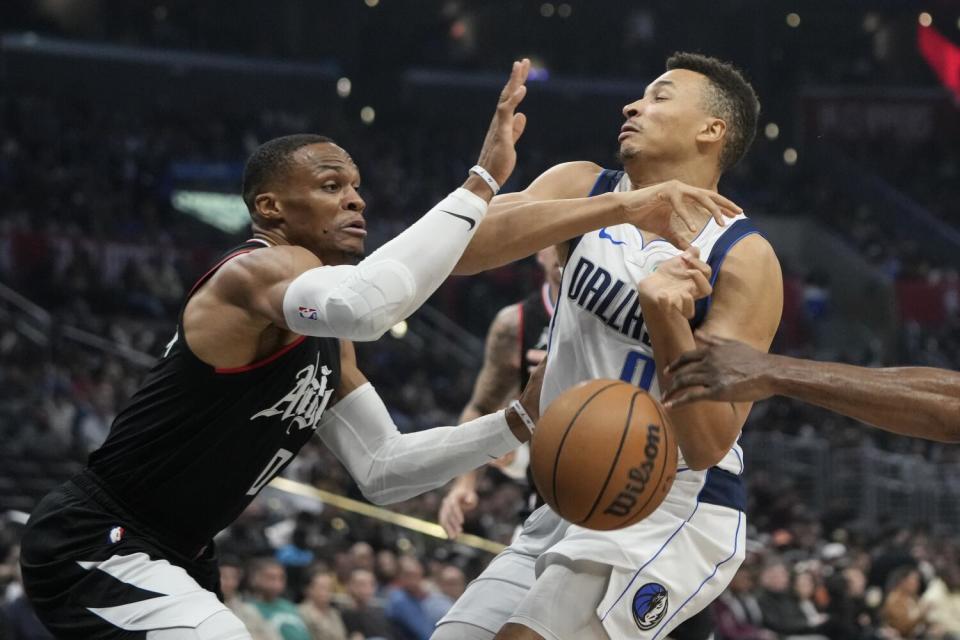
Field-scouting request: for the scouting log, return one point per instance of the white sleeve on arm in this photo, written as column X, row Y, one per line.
column 390, row 466
column 362, row 302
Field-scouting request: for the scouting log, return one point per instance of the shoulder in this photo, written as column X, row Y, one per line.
column 260, row 269
column 752, row 256
column 566, row 180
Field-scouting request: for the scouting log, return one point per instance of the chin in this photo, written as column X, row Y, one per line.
column 627, row 152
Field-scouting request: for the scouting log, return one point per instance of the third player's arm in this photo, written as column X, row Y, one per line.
column 746, row 305
column 920, row 402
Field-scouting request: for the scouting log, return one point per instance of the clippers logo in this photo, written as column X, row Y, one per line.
column 303, row 405
column 116, row 535
column 650, row 605
column 308, row 313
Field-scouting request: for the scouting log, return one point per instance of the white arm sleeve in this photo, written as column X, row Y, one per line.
column 362, row 302
column 390, row 466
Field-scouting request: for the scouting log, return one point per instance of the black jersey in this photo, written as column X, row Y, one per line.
column 195, row 444
column 536, row 310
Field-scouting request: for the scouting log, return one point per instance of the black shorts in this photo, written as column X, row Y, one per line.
column 93, row 572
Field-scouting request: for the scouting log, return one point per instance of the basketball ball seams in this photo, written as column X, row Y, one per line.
column 616, row 460
column 666, row 443
column 566, row 432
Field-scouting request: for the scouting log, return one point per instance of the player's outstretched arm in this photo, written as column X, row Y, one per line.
column 289, row 287
column 919, row 402
column 495, row 386
column 554, row 209
column 746, row 305
column 390, row 466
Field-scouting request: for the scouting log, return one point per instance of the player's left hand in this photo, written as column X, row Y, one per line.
column 720, row 369
column 677, row 283
column 530, row 396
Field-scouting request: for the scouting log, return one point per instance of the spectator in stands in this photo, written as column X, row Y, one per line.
column 268, row 582
column 942, row 598
column 231, row 575
column 364, row 615
column 322, row 620
column 848, row 615
column 780, row 605
column 737, row 613
column 902, row 609
column 414, row 609
column 386, row 570
column 451, row 582
column 17, row 619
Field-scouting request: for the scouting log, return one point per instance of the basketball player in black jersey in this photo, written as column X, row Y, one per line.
column 516, row 342
column 260, row 357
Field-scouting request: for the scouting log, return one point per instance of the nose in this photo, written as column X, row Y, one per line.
column 353, row 201
column 631, row 109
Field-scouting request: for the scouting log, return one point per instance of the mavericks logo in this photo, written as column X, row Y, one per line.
column 650, row 605
column 306, row 401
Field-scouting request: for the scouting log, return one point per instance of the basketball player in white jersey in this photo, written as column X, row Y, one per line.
column 516, row 342
column 626, row 296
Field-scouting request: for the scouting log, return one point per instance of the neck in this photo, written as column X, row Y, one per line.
column 273, row 236
column 702, row 174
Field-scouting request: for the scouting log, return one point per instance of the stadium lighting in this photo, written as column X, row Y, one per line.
column 772, row 131
column 793, row 20
column 925, row 19
column 547, row 9
column 564, row 10
column 371, row 3
column 790, row 156
column 367, row 115
column 343, row 87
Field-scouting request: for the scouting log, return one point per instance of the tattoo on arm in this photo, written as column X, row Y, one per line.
column 498, row 382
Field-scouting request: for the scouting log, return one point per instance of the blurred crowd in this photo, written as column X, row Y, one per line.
column 88, row 233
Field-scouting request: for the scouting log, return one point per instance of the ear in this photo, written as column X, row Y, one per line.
column 713, row 130
column 268, row 207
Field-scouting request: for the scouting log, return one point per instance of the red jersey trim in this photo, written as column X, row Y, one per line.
column 262, row 363
column 212, row 270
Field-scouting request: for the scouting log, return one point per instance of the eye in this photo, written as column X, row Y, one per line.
column 659, row 98
column 331, row 187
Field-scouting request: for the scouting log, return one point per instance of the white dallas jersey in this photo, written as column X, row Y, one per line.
column 598, row 329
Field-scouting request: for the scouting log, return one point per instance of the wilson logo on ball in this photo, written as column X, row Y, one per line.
column 637, row 477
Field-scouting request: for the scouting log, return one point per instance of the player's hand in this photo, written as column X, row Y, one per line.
column 673, row 209
column 461, row 499
column 530, row 396
column 720, row 369
column 498, row 155
column 534, row 357
column 677, row 283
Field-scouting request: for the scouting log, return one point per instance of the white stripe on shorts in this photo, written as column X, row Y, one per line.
column 183, row 603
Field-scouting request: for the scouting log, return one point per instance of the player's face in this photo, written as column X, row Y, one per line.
column 321, row 205
column 665, row 122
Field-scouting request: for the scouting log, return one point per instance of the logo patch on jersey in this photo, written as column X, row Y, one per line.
column 116, row 535
column 304, row 404
column 650, row 605
column 308, row 313
column 605, row 235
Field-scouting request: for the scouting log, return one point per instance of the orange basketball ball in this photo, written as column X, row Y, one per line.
column 603, row 454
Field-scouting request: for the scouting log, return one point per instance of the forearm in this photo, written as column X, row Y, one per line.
column 705, row 431
column 913, row 401
column 514, row 229
column 390, row 466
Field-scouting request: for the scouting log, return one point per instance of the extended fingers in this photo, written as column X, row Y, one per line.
column 685, row 359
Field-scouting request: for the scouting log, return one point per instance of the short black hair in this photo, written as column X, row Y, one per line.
column 731, row 98
column 270, row 160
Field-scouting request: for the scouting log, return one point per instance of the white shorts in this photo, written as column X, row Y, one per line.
column 663, row 570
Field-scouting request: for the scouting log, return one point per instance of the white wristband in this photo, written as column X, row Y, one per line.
column 486, row 177
column 524, row 416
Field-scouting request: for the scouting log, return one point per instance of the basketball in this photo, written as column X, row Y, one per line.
column 603, row 455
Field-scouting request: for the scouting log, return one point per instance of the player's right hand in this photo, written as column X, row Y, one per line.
column 673, row 209
column 459, row 501
column 498, row 155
